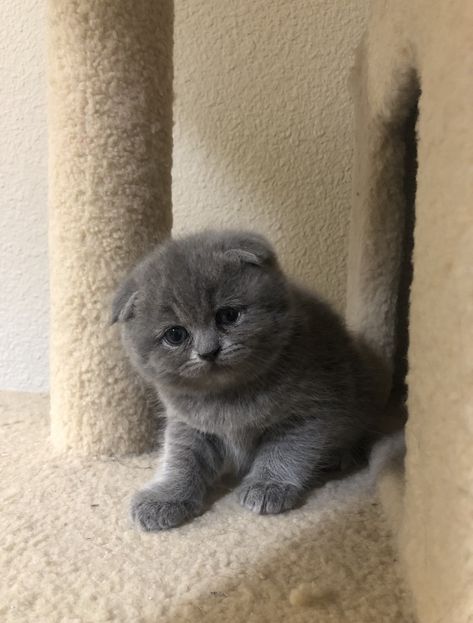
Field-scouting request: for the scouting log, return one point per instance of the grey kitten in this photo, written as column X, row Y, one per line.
column 258, row 377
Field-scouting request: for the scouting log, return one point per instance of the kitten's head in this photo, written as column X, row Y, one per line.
column 205, row 312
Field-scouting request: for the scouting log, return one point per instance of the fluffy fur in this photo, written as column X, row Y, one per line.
column 258, row 376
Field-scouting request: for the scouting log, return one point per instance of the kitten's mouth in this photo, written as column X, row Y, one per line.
column 200, row 368
column 213, row 367
column 206, row 371
column 221, row 368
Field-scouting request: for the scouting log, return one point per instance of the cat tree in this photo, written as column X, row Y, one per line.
column 110, row 160
column 417, row 59
column 110, row 129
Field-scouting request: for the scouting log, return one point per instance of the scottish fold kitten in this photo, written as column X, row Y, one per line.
column 257, row 376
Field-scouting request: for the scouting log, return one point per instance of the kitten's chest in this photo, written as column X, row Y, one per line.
column 225, row 418
column 240, row 450
column 233, row 422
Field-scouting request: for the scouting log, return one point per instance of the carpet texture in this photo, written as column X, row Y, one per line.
column 70, row 555
column 418, row 54
column 110, row 136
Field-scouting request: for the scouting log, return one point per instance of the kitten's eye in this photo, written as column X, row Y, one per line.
column 227, row 315
column 175, row 336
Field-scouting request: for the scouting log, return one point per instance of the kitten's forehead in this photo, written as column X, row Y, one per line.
column 191, row 282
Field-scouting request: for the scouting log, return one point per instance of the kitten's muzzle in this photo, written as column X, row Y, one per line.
column 210, row 355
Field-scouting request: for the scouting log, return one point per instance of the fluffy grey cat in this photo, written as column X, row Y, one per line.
column 258, row 377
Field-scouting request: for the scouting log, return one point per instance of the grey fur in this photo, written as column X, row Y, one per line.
column 286, row 393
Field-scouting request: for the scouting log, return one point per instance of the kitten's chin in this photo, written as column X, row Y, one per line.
column 211, row 378
column 214, row 378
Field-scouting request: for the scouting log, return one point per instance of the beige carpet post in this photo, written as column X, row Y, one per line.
column 110, row 128
column 430, row 40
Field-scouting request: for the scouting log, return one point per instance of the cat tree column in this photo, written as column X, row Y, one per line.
column 418, row 49
column 110, row 127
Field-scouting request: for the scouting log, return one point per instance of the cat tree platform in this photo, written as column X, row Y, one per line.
column 70, row 554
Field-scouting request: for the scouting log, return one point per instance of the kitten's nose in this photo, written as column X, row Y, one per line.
column 209, row 355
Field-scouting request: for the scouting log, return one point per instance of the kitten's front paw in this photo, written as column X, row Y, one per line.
column 268, row 498
column 151, row 513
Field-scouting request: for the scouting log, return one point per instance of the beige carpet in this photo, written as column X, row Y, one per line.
column 69, row 554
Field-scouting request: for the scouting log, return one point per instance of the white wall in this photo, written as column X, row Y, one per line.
column 23, row 198
column 263, row 125
column 262, row 139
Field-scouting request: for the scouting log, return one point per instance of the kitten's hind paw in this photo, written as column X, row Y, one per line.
column 151, row 513
column 268, row 498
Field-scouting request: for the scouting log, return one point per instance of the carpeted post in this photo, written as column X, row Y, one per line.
column 110, row 127
column 412, row 48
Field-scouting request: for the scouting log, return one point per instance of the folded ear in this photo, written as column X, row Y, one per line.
column 251, row 248
column 123, row 306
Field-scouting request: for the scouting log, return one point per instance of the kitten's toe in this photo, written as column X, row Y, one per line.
column 151, row 513
column 268, row 498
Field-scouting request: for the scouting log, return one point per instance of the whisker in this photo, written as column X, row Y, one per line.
column 190, row 365
column 233, row 349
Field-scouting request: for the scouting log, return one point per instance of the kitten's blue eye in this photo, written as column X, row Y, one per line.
column 227, row 316
column 175, row 336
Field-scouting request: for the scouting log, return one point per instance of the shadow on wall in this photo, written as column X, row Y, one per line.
column 263, row 126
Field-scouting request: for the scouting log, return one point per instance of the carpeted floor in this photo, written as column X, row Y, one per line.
column 69, row 554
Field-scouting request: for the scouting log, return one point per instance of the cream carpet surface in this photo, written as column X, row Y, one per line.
column 69, row 553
